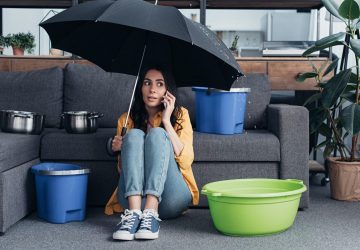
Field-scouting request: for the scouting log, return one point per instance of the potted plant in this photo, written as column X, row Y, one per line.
column 3, row 43
column 337, row 113
column 21, row 42
column 234, row 48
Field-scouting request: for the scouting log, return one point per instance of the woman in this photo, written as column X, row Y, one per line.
column 156, row 178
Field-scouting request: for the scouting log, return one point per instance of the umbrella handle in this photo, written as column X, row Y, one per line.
column 109, row 143
column 109, row 150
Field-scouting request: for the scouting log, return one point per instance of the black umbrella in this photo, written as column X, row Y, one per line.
column 121, row 36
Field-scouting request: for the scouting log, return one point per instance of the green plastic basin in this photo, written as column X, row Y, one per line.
column 250, row 207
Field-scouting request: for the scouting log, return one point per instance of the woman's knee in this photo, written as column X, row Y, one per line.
column 134, row 137
column 155, row 135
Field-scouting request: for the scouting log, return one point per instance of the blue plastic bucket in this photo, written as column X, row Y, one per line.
column 60, row 191
column 219, row 111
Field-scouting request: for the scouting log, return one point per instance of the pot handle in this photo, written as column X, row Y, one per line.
column 206, row 192
column 22, row 115
column 95, row 115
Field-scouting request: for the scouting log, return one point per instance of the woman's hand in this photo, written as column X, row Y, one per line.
column 116, row 143
column 169, row 103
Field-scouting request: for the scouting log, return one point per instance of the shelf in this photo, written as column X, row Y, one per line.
column 210, row 4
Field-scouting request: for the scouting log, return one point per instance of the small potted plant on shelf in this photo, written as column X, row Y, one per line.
column 3, row 43
column 336, row 115
column 234, row 48
column 22, row 41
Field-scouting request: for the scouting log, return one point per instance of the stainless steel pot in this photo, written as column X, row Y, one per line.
column 14, row 121
column 80, row 122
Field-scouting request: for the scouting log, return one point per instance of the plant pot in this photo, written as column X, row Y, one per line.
column 235, row 52
column 18, row 51
column 344, row 179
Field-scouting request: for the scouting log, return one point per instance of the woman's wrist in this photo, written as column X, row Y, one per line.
column 166, row 123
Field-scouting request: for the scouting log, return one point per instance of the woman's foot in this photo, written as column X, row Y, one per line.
column 128, row 225
column 149, row 225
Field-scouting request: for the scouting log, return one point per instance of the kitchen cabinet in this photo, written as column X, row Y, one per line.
column 283, row 71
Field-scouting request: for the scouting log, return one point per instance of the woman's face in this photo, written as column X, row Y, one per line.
column 153, row 88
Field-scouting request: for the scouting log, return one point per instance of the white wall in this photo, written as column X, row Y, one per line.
column 27, row 20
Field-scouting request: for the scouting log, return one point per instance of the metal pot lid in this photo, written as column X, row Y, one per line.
column 20, row 112
column 80, row 113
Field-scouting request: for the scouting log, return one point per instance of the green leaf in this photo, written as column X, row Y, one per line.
column 355, row 45
column 312, row 99
column 318, row 48
column 349, row 93
column 304, row 76
column 333, row 8
column 351, row 97
column 322, row 144
column 350, row 118
column 330, row 39
column 328, row 149
column 334, row 88
column 325, row 130
column 331, row 67
column 322, row 84
column 317, row 117
column 349, row 9
column 353, row 78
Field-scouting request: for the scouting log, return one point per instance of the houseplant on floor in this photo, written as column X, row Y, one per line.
column 337, row 113
column 21, row 42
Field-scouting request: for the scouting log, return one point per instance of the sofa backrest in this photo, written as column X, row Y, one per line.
column 89, row 88
column 92, row 89
column 36, row 91
column 257, row 99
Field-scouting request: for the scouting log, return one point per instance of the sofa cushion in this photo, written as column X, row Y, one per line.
column 92, row 89
column 253, row 145
column 257, row 99
column 37, row 91
column 16, row 149
column 57, row 144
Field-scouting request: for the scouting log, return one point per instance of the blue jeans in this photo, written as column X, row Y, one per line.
column 149, row 167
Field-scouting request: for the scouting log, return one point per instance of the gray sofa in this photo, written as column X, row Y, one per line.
column 274, row 145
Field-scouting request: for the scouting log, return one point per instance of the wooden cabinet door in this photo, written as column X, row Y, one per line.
column 283, row 74
column 253, row 66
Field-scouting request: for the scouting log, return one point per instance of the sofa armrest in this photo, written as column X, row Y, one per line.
column 291, row 125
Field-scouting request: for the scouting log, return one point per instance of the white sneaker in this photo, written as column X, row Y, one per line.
column 129, row 224
column 149, row 225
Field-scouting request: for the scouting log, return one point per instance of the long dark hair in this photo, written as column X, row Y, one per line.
column 139, row 114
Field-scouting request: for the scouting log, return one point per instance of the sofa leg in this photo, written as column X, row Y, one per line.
column 2, row 234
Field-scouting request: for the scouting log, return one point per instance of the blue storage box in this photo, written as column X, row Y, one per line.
column 219, row 111
column 60, row 191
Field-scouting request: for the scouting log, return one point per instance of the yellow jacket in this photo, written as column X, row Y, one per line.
column 184, row 160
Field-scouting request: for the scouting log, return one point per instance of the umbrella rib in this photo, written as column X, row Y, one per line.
column 133, row 92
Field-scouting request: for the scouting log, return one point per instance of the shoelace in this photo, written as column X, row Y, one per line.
column 127, row 220
column 146, row 219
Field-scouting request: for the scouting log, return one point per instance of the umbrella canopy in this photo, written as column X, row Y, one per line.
column 113, row 34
